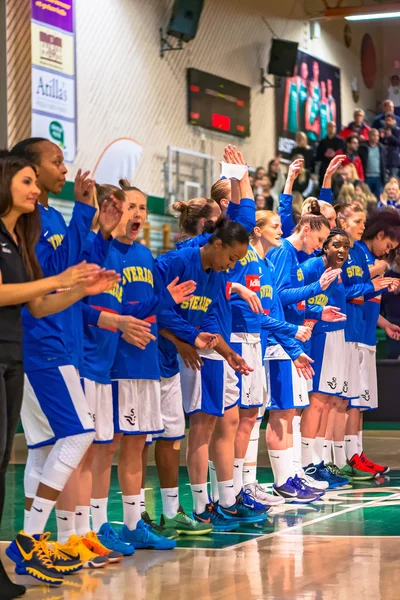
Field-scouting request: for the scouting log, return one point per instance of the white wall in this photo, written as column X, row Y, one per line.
column 125, row 89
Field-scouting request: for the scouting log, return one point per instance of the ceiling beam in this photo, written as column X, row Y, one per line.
column 341, row 12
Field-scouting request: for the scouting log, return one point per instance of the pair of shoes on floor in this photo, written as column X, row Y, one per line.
column 48, row 561
column 297, row 491
column 359, row 468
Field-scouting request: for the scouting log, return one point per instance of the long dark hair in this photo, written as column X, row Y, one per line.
column 28, row 226
column 387, row 221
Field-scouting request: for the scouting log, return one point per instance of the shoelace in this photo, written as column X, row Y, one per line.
column 43, row 552
column 111, row 535
column 55, row 552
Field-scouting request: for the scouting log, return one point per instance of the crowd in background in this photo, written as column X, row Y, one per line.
column 369, row 174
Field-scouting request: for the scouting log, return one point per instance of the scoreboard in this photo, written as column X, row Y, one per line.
column 218, row 104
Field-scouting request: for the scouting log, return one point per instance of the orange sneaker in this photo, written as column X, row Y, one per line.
column 92, row 542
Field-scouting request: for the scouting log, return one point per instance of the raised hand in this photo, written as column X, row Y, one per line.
column 77, row 274
column 84, row 188
column 233, row 156
column 295, row 168
column 303, row 366
column 110, row 215
column 335, row 163
column 332, row 314
column 182, row 291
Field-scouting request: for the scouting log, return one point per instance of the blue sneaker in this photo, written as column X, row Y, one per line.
column 295, row 492
column 110, row 540
column 306, row 485
column 216, row 519
column 144, row 537
column 245, row 510
column 323, row 474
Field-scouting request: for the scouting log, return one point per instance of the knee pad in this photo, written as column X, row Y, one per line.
column 34, row 468
column 64, row 458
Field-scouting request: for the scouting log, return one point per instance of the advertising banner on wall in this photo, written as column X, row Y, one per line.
column 53, row 74
column 307, row 102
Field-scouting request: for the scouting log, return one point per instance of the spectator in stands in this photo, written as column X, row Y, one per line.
column 327, row 149
column 277, row 179
column 259, row 173
column 351, row 152
column 391, row 194
column 304, row 182
column 344, row 174
column 390, row 138
column 363, row 193
column 372, row 155
column 347, row 194
column 390, row 308
column 262, row 187
column 379, row 121
column 304, row 150
column 358, row 126
column 260, row 202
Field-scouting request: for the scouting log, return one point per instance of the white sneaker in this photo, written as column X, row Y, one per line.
column 262, row 495
column 311, row 482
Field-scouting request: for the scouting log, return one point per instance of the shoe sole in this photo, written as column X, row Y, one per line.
column 142, row 546
column 115, row 560
column 32, row 572
column 247, row 519
column 362, row 478
column 189, row 532
column 90, row 564
column 308, row 501
column 124, row 552
column 68, row 570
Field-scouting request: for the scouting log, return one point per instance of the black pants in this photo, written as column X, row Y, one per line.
column 11, row 390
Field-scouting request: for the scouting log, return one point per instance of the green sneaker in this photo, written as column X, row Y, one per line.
column 167, row 532
column 355, row 474
column 185, row 525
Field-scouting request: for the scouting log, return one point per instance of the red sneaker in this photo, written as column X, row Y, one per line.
column 358, row 464
column 378, row 468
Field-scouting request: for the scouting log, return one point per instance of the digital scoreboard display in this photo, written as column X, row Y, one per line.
column 218, row 104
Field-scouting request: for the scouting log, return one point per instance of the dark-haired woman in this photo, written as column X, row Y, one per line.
column 358, row 287
column 381, row 236
column 309, row 236
column 203, row 390
column 328, row 352
column 21, row 283
column 54, row 412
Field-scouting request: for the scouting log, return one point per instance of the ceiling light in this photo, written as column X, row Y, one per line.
column 371, row 16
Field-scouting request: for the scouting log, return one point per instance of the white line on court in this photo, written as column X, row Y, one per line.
column 300, row 526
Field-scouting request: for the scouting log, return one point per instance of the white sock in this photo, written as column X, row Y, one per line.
column 39, row 515
column 360, row 442
column 250, row 460
column 297, row 455
column 82, row 520
column 307, row 451
column 213, row 482
column 238, row 474
column 351, row 446
column 170, row 502
column 142, row 501
column 339, row 453
column 26, row 517
column 327, row 451
column 65, row 525
column 132, row 513
column 98, row 509
column 282, row 465
column 318, row 450
column 200, row 497
column 227, row 496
